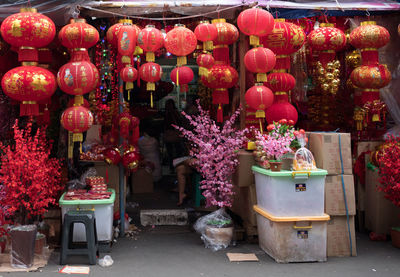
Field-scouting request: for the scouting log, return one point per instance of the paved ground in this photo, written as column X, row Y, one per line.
column 176, row 251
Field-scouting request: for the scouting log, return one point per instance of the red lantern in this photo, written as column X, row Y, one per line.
column 259, row 98
column 112, row 156
column 226, row 34
column 130, row 159
column 26, row 31
column 180, row 42
column 150, row 40
column 206, row 33
column 77, row 119
column 124, row 122
column 255, row 23
column 205, row 61
column 182, row 76
column 129, row 75
column 286, row 38
column 374, row 77
column 112, row 32
column 29, row 84
column 260, row 60
column 127, row 42
column 78, row 34
column 280, row 81
column 281, row 109
column 151, row 73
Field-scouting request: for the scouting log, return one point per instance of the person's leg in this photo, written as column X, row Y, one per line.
column 181, row 177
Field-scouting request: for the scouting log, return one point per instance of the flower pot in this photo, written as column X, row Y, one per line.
column 23, row 245
column 219, row 235
column 395, row 234
column 40, row 243
column 275, row 166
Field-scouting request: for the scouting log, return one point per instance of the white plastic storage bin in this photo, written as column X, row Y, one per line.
column 103, row 210
column 292, row 239
column 290, row 193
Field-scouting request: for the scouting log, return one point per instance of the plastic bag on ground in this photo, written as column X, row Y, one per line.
column 106, row 261
column 303, row 158
column 216, row 229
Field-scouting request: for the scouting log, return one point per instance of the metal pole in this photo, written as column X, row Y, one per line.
column 121, row 167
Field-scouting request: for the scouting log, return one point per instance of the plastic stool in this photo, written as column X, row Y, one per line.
column 67, row 245
column 196, row 178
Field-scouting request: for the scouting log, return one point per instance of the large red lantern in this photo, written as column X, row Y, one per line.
column 150, row 73
column 78, row 34
column 26, row 31
column 182, row 76
column 281, row 109
column 206, row 33
column 226, row 34
column 180, row 41
column 205, row 61
column 374, row 77
column 127, row 36
column 77, row 119
column 29, row 84
column 260, row 60
column 259, row 98
column 280, row 81
column 255, row 22
column 150, row 40
column 112, row 155
column 129, row 75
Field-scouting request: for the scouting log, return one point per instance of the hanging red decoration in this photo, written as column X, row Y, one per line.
column 280, row 81
column 226, row 34
column 206, row 33
column 112, row 32
column 29, row 84
column 281, row 109
column 112, row 155
column 374, row 77
column 259, row 98
column 150, row 73
column 129, row 75
column 150, row 40
column 255, row 22
column 127, row 42
column 77, row 119
column 78, row 34
column 85, row 104
column 205, row 61
column 130, row 159
column 182, row 76
column 26, row 31
column 180, row 42
column 260, row 60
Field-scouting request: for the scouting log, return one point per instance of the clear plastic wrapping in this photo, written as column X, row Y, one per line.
column 216, row 229
column 303, row 158
column 23, row 246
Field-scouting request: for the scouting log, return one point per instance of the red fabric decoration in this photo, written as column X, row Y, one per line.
column 28, row 30
column 112, row 32
column 327, row 38
column 130, row 159
column 129, row 74
column 29, row 84
column 206, row 33
column 260, row 60
column 77, row 119
column 151, row 73
column 369, row 35
column 255, row 22
column 280, row 81
column 373, row 77
column 112, row 156
column 182, row 76
column 78, row 34
column 180, row 41
column 127, row 42
column 259, row 98
column 205, row 61
column 281, row 109
column 150, row 40
column 226, row 34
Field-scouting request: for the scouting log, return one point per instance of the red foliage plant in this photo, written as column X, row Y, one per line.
column 30, row 178
column 389, row 170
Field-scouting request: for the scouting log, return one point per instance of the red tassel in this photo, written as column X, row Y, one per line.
column 220, row 116
column 46, row 116
column 28, row 54
column 221, row 54
column 29, row 109
column 138, row 67
column 106, row 175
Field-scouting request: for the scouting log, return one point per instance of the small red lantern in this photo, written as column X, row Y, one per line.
column 226, row 34
column 260, row 60
column 205, row 61
column 255, row 22
column 77, row 119
column 127, row 42
column 281, row 109
column 206, row 33
column 78, row 34
column 130, row 159
column 150, row 73
column 280, row 81
column 112, row 155
column 259, row 98
column 129, row 75
column 29, row 84
column 150, row 40
column 374, row 77
column 180, row 41
column 26, row 31
column 182, row 76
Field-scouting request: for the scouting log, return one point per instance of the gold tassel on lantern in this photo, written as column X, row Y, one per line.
column 151, row 86
column 77, row 137
column 181, row 60
column 126, row 59
column 203, row 71
column 138, row 51
column 208, row 45
column 151, row 99
column 78, row 101
column 150, row 57
column 254, row 40
column 261, row 77
column 129, row 85
column 260, row 114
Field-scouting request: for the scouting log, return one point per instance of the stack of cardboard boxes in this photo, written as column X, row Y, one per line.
column 332, row 152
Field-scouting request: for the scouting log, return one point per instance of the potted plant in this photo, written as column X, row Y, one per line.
column 30, row 183
column 215, row 151
column 389, row 177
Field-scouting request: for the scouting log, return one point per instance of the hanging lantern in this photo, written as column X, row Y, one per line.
column 150, row 73
column 206, row 33
column 78, row 34
column 259, row 98
column 112, row 32
column 129, row 75
column 286, row 38
column 112, row 155
column 77, row 119
column 182, row 76
column 180, row 41
column 260, row 60
column 205, row 61
column 280, row 81
column 226, row 34
column 255, row 22
column 130, row 159
column 26, row 31
column 150, row 40
column 29, row 84
column 281, row 109
column 127, row 42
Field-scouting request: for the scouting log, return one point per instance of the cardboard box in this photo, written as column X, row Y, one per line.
column 326, row 151
column 334, row 198
column 243, row 177
column 380, row 214
column 244, row 200
column 338, row 237
column 142, row 181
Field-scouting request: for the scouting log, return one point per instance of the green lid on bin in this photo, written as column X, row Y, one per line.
column 288, row 173
column 110, row 200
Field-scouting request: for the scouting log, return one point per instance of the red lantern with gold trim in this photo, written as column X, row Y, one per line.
column 150, row 40
column 206, row 33
column 180, row 41
column 374, row 77
column 205, row 61
column 129, row 75
column 29, row 84
column 226, row 34
column 127, row 42
column 259, row 98
column 26, row 31
column 150, row 73
column 280, row 81
column 77, row 119
column 130, row 159
column 182, row 76
column 255, row 22
column 281, row 109
column 112, row 155
column 78, row 34
column 260, row 60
